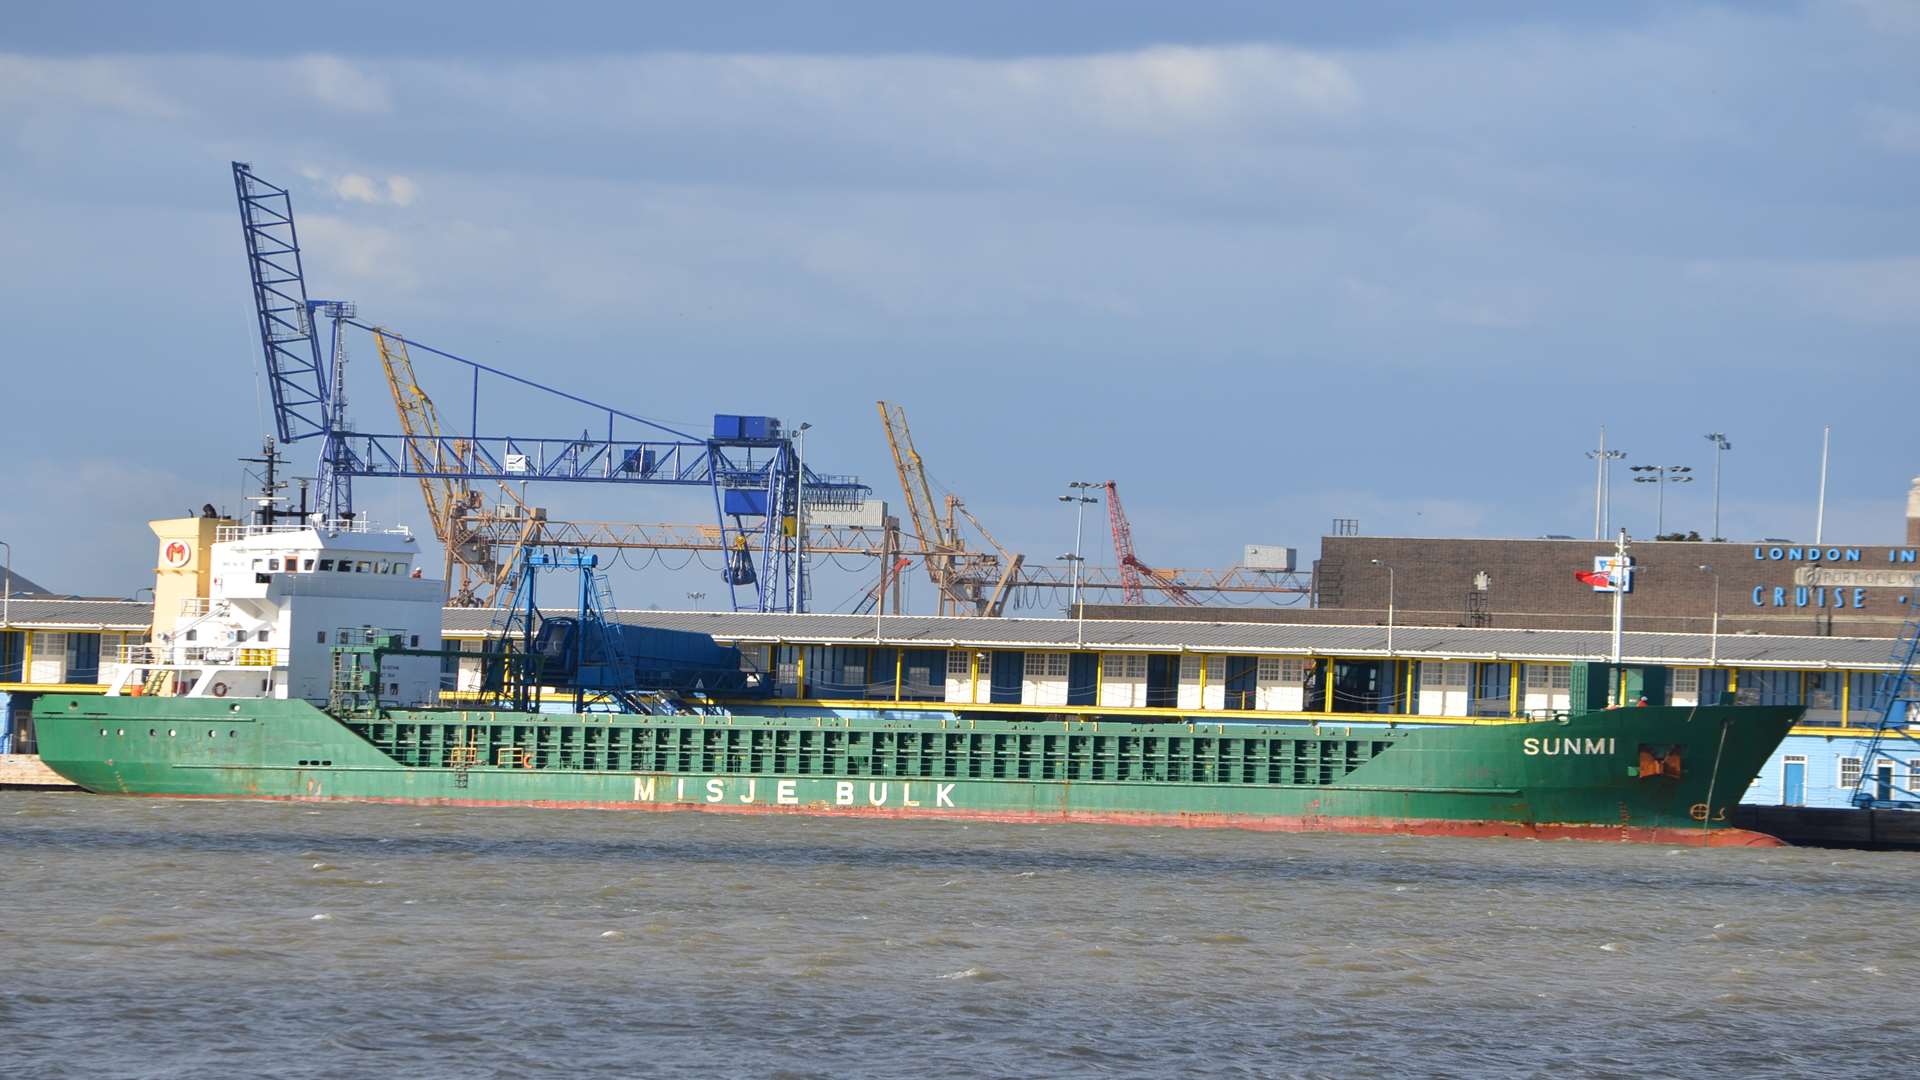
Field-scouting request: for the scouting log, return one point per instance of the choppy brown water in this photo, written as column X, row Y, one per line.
column 158, row 938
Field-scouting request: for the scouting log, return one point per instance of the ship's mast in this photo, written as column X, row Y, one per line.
column 270, row 509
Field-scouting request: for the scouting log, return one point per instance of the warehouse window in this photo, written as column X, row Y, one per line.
column 1042, row 665
column 1549, row 677
column 1216, row 669
column 1686, row 680
column 1849, row 777
column 1190, row 668
column 957, row 662
column 1269, row 669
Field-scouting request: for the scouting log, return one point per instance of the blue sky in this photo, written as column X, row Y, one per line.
column 1264, row 266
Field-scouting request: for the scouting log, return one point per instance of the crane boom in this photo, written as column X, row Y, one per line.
column 295, row 375
column 1132, row 570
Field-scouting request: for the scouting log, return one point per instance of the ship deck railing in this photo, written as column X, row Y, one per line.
column 171, row 656
column 354, row 525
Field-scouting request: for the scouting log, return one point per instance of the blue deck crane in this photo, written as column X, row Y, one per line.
column 600, row 663
column 749, row 463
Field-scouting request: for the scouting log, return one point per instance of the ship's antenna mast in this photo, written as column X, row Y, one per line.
column 270, row 509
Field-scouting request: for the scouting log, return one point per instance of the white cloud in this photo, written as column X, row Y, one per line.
column 114, row 84
column 339, row 84
column 374, row 259
column 1870, row 290
column 360, row 188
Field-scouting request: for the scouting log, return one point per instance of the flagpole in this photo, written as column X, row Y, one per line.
column 1618, row 576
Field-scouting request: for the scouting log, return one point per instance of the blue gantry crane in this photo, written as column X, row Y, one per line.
column 1894, row 748
column 750, row 463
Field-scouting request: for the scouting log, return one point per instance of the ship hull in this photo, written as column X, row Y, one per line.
column 1649, row 775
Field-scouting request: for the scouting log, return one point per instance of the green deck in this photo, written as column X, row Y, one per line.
column 1587, row 771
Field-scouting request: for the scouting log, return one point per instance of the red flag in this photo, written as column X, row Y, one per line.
column 1596, row 578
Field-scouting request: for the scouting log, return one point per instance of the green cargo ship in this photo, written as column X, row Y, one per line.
column 229, row 704
column 1665, row 775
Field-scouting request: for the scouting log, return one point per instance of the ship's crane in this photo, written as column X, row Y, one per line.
column 1132, row 570
column 749, row 464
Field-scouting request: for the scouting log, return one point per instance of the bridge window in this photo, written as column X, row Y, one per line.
column 326, row 564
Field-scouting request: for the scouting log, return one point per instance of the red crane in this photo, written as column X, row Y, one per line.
column 1131, row 568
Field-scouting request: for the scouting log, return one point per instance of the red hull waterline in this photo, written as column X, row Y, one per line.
column 1512, row 830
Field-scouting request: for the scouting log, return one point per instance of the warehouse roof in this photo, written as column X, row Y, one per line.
column 1129, row 635
column 71, row 613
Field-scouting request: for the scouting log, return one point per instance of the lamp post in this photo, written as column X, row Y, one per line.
column 1662, row 475
column 6, row 605
column 1720, row 445
column 1603, row 483
column 1389, row 569
column 1079, row 499
column 797, row 602
column 1713, row 654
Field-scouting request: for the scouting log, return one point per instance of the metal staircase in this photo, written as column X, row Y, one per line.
column 1888, row 768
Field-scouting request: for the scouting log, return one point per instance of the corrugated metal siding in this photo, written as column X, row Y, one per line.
column 1733, row 650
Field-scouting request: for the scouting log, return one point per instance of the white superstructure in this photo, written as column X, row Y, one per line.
column 279, row 598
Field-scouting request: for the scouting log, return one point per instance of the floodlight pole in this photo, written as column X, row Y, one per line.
column 1713, row 654
column 1720, row 445
column 1389, row 569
